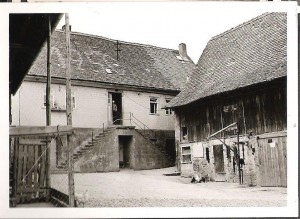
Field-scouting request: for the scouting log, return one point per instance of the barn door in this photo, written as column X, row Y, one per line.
column 273, row 163
column 219, row 163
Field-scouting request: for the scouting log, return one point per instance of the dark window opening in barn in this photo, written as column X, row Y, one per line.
column 207, row 154
column 169, row 111
column 153, row 105
column 184, row 133
column 186, row 154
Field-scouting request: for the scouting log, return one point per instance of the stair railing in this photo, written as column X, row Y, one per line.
column 133, row 121
column 141, row 125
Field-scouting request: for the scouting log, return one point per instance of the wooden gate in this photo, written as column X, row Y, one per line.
column 30, row 165
column 273, row 162
column 30, row 169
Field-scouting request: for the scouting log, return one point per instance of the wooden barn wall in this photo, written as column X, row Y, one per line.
column 261, row 110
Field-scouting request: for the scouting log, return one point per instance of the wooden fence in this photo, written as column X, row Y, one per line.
column 30, row 165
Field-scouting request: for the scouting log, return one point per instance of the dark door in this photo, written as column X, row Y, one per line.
column 170, row 148
column 117, row 108
column 125, row 151
column 219, row 158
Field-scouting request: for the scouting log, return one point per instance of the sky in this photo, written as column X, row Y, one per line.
column 161, row 24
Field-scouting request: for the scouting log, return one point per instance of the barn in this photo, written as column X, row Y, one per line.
column 231, row 118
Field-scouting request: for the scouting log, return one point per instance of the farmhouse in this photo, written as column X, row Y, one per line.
column 231, row 118
column 118, row 90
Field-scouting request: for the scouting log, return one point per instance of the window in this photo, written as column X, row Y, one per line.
column 153, row 105
column 184, row 133
column 207, row 154
column 73, row 100
column 186, row 154
column 168, row 111
column 51, row 100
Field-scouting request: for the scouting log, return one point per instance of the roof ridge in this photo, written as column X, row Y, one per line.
column 113, row 40
column 242, row 25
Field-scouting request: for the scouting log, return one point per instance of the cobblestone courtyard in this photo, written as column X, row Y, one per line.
column 151, row 188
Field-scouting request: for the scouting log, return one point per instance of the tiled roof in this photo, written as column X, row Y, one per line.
column 94, row 59
column 251, row 53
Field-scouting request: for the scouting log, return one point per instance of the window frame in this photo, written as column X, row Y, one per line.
column 182, row 133
column 186, row 154
column 168, row 112
column 51, row 101
column 155, row 105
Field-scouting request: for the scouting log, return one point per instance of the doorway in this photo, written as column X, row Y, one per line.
column 170, row 148
column 125, row 152
column 115, row 108
column 219, row 163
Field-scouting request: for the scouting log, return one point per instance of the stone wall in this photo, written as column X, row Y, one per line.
column 144, row 153
column 205, row 168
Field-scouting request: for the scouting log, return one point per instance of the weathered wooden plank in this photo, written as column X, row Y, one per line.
column 282, row 133
column 39, row 131
column 15, row 167
column 20, row 166
column 31, row 141
column 30, row 165
column 282, row 161
column 36, row 161
column 47, row 169
column 42, row 168
column 31, row 190
column 24, row 178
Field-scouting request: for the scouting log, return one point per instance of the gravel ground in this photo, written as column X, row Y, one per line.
column 146, row 202
column 150, row 188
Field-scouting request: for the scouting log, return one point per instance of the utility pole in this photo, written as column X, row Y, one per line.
column 68, row 71
column 48, row 107
column 48, row 86
column 69, row 114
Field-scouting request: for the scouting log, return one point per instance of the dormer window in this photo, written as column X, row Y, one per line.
column 108, row 70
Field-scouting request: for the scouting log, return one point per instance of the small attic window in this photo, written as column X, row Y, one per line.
column 108, row 70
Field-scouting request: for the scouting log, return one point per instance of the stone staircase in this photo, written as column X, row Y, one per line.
column 151, row 137
column 90, row 143
column 85, row 147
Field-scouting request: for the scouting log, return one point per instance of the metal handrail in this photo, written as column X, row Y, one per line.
column 134, row 120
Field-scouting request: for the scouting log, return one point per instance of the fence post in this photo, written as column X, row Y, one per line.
column 130, row 118
column 16, row 147
column 70, row 171
column 47, row 167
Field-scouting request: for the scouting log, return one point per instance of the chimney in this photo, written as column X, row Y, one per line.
column 182, row 51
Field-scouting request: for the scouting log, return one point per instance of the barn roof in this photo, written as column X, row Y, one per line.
column 251, row 53
column 94, row 58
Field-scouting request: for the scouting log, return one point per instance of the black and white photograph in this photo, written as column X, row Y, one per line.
column 149, row 109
